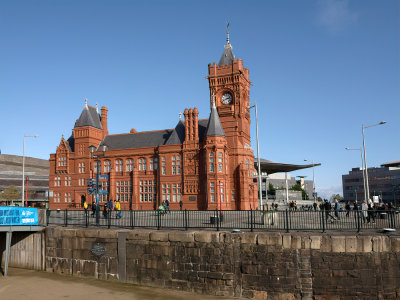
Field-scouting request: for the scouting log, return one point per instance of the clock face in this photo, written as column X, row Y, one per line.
column 226, row 98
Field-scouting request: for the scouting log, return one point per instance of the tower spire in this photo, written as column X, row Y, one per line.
column 227, row 32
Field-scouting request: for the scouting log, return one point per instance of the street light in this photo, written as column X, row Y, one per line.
column 362, row 168
column 92, row 149
column 313, row 177
column 365, row 154
column 23, row 166
column 258, row 157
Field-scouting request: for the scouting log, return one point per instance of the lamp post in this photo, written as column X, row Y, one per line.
column 92, row 149
column 313, row 178
column 258, row 158
column 365, row 154
column 23, row 166
column 362, row 168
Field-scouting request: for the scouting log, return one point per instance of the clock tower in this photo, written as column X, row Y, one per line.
column 229, row 82
column 230, row 87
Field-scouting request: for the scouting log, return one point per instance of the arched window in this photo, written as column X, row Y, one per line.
column 107, row 166
column 220, row 162
column 129, row 164
column 211, row 161
column 142, row 164
column 119, row 167
column 97, row 167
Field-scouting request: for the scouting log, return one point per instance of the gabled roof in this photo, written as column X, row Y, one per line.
column 89, row 117
column 178, row 135
column 214, row 127
column 174, row 136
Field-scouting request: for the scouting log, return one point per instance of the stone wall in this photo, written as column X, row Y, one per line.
column 249, row 265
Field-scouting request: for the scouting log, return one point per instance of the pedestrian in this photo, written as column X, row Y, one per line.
column 93, row 208
column 315, row 206
column 355, row 205
column 167, row 206
column 85, row 207
column 328, row 208
column 347, row 207
column 364, row 211
column 118, row 209
column 180, row 204
column 110, row 206
column 105, row 211
column 337, row 209
column 371, row 213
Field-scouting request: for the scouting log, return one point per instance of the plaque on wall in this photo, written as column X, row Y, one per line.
column 192, row 198
column 98, row 250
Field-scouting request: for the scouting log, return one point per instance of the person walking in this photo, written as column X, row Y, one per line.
column 110, row 206
column 105, row 211
column 364, row 211
column 167, row 206
column 347, row 207
column 85, row 207
column 118, row 209
column 93, row 208
column 180, row 204
column 337, row 209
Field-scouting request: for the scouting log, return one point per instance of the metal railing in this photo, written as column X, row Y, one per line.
column 251, row 220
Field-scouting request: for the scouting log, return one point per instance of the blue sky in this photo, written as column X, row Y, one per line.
column 319, row 69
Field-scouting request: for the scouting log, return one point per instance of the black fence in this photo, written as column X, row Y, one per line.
column 228, row 220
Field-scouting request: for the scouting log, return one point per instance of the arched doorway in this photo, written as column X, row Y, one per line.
column 83, row 199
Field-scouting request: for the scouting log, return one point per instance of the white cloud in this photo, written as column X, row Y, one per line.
column 335, row 15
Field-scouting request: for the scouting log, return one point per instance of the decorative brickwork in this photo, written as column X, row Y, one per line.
column 206, row 164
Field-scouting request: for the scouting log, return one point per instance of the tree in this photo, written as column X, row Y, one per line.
column 336, row 196
column 297, row 187
column 11, row 193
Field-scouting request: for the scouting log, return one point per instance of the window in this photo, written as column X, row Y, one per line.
column 81, row 181
column 142, row 164
column 176, row 192
column 211, row 161
column 163, row 169
column 107, row 166
column 103, row 185
column 57, row 181
column 56, row 197
column 66, row 181
column 129, row 165
column 62, row 161
column 119, row 165
column 148, row 190
column 173, row 165
column 212, row 192
column 124, row 191
column 166, row 192
column 69, row 197
column 81, row 168
column 220, row 164
column 233, row 195
column 97, row 167
column 153, row 163
column 178, row 164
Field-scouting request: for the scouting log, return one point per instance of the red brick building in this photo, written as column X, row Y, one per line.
column 207, row 164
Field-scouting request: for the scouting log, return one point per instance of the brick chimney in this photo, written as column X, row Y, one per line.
column 104, row 111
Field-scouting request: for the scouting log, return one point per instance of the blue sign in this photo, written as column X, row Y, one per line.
column 91, row 191
column 103, row 177
column 103, row 192
column 18, row 216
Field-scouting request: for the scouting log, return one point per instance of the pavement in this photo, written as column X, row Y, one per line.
column 24, row 284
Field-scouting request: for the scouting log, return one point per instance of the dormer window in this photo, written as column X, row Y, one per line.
column 142, row 164
column 119, row 165
column 107, row 166
column 129, row 165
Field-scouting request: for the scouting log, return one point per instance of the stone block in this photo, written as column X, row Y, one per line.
column 351, row 244
column 296, row 242
column 206, row 237
column 141, row 235
column 395, row 244
column 159, row 236
column 305, row 242
column 338, row 244
column 248, row 238
column 270, row 239
column 315, row 242
column 286, row 241
column 260, row 295
column 326, row 243
column 108, row 234
column 386, row 246
column 377, row 244
column 366, row 243
column 179, row 236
